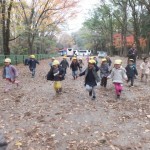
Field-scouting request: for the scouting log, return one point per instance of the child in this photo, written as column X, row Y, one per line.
column 87, row 58
column 145, row 67
column 32, row 64
column 104, row 72
column 52, row 59
column 9, row 74
column 80, row 64
column 74, row 66
column 56, row 74
column 91, row 78
column 64, row 64
column 131, row 71
column 95, row 60
column 109, row 62
column 118, row 74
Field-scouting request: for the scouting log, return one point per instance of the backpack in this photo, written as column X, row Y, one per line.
column 50, row 75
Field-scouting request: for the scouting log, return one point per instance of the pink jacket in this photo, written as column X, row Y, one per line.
column 13, row 72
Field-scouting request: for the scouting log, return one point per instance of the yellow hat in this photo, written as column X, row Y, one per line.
column 64, row 57
column 92, row 61
column 7, row 60
column 74, row 58
column 91, row 57
column 55, row 62
column 104, row 59
column 32, row 56
column 118, row 62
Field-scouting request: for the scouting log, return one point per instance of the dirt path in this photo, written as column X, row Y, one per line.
column 34, row 118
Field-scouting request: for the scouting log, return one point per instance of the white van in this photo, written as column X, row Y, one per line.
column 70, row 52
column 84, row 52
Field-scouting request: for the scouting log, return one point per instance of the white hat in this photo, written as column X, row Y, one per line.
column 7, row 60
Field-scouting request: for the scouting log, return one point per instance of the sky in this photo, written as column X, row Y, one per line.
column 85, row 6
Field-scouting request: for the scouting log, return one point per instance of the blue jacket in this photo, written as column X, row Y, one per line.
column 32, row 63
column 131, row 71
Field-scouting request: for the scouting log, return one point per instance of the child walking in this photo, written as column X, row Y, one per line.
column 51, row 62
column 64, row 64
column 32, row 65
column 145, row 68
column 91, row 78
column 109, row 62
column 74, row 66
column 56, row 74
column 9, row 74
column 80, row 64
column 118, row 74
column 131, row 71
column 104, row 72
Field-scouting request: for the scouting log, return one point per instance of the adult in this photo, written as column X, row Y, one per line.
column 132, row 53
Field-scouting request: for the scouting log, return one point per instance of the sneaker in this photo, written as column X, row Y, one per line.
column 118, row 96
column 90, row 93
column 131, row 86
column 17, row 83
column 94, row 97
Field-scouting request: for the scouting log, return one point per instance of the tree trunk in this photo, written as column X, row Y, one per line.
column 30, row 43
column 6, row 26
column 136, row 26
column 111, row 34
column 124, row 29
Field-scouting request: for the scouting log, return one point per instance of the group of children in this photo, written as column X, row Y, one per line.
column 94, row 74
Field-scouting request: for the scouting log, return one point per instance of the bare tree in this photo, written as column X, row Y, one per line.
column 36, row 18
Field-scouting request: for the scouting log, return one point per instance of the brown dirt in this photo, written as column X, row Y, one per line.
column 39, row 120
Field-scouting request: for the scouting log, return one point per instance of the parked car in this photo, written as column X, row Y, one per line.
column 102, row 54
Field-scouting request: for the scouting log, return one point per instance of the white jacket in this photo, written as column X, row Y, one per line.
column 118, row 75
column 145, row 67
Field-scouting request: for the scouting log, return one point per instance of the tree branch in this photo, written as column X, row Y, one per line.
column 14, row 38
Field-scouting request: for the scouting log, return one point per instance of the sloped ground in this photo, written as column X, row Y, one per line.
column 32, row 117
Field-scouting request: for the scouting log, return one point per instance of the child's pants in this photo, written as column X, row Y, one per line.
column 33, row 71
column 131, row 79
column 104, row 81
column 90, row 88
column 80, row 69
column 57, row 85
column 118, row 88
column 146, row 76
column 74, row 73
column 8, row 84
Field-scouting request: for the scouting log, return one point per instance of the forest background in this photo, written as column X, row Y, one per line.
column 38, row 26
